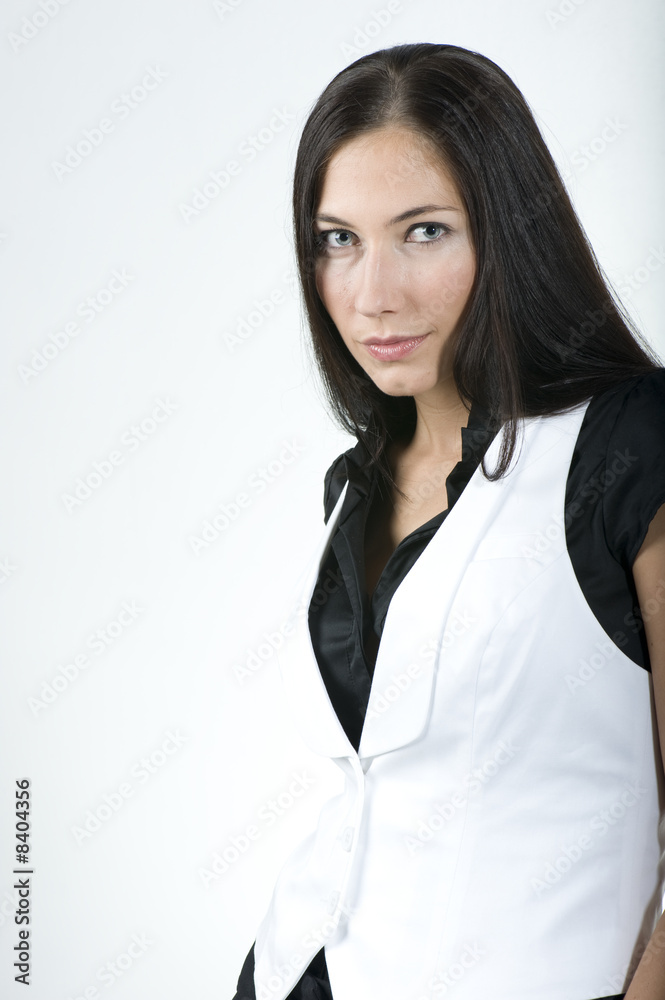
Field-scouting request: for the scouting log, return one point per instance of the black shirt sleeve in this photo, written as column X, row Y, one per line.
column 635, row 467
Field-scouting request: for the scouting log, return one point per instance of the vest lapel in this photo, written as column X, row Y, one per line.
column 414, row 629
column 419, row 615
column 315, row 716
column 401, row 692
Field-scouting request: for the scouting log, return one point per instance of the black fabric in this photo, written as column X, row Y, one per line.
column 340, row 623
column 615, row 485
column 245, row 989
column 314, row 984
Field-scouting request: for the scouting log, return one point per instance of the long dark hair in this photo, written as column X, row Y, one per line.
column 541, row 331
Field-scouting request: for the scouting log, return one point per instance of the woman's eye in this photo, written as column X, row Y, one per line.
column 427, row 232
column 335, row 238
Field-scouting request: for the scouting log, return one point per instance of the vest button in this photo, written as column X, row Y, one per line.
column 347, row 838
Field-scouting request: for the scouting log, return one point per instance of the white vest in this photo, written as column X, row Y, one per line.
column 498, row 832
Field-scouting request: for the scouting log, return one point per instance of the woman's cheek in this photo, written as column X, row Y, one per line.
column 456, row 285
column 335, row 289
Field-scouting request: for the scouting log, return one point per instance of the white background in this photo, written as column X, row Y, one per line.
column 164, row 344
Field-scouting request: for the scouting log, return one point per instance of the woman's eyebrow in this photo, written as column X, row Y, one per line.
column 420, row 210
column 409, row 214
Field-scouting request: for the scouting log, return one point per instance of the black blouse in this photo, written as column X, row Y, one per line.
column 341, row 613
column 615, row 485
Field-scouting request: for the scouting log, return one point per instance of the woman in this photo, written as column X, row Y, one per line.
column 484, row 626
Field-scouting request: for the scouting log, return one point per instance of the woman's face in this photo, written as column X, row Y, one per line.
column 396, row 263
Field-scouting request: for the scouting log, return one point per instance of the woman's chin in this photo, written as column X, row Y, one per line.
column 402, row 384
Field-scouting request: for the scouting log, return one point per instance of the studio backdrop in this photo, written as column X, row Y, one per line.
column 165, row 438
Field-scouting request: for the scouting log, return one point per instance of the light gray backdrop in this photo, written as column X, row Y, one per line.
column 165, row 441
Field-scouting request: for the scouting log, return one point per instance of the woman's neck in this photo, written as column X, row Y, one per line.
column 441, row 414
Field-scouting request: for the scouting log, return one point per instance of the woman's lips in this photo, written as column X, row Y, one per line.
column 388, row 350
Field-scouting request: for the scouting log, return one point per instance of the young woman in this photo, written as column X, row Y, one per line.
column 480, row 635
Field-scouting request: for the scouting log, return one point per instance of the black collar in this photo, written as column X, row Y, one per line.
column 476, row 438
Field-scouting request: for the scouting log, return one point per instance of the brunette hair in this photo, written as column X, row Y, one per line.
column 541, row 331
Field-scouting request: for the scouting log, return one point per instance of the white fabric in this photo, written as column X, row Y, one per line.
column 497, row 835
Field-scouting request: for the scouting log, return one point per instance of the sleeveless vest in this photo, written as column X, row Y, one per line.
column 497, row 834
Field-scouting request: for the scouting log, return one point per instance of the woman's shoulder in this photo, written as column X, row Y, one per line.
column 630, row 412
column 646, row 386
column 636, row 392
column 620, row 459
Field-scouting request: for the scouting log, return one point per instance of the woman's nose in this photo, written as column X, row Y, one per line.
column 378, row 283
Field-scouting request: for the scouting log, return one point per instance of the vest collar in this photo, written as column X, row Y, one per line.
column 476, row 438
column 416, row 619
